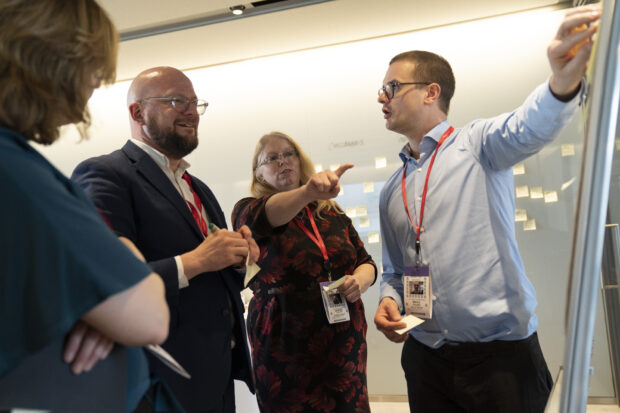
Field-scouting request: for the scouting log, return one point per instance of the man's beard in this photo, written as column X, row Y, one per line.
column 169, row 142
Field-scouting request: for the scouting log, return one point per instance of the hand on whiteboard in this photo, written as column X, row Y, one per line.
column 570, row 50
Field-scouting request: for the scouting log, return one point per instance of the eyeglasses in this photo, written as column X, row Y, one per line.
column 280, row 157
column 180, row 104
column 394, row 85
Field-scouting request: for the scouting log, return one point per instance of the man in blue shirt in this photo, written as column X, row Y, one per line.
column 452, row 230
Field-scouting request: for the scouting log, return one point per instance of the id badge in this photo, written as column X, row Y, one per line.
column 335, row 304
column 418, row 291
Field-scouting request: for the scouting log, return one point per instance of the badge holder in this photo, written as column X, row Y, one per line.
column 336, row 308
column 335, row 304
column 418, row 289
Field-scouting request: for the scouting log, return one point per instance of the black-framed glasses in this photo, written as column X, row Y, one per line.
column 391, row 87
column 278, row 157
column 181, row 104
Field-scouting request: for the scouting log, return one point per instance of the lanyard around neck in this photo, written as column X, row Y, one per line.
column 428, row 174
column 316, row 238
column 197, row 209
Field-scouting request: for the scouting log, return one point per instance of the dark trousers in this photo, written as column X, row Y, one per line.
column 499, row 376
column 227, row 404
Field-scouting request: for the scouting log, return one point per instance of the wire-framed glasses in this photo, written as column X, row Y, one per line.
column 181, row 104
column 278, row 157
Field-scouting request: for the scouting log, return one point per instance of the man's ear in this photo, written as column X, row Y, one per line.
column 135, row 111
column 433, row 91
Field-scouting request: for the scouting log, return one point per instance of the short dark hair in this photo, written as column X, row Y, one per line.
column 430, row 67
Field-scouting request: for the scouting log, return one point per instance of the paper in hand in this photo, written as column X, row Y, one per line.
column 335, row 284
column 411, row 321
column 250, row 271
column 168, row 360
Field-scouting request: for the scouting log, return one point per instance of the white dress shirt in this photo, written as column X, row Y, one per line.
column 179, row 183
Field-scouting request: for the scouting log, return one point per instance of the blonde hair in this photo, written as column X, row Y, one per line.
column 50, row 52
column 260, row 189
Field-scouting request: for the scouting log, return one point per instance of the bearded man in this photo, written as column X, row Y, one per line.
column 145, row 193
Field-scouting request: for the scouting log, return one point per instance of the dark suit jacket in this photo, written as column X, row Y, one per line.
column 141, row 203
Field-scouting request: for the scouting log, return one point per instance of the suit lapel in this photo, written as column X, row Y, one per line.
column 208, row 203
column 151, row 172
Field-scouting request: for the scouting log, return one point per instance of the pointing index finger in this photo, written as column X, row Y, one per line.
column 343, row 168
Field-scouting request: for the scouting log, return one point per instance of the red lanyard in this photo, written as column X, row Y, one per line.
column 317, row 239
column 197, row 210
column 428, row 174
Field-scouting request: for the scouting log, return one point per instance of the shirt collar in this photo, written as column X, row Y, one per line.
column 160, row 159
column 429, row 141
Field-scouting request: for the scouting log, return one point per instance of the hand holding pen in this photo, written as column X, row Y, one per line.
column 221, row 249
column 253, row 250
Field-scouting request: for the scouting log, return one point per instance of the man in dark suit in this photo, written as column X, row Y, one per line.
column 146, row 195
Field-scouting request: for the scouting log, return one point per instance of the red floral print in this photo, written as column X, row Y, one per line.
column 301, row 362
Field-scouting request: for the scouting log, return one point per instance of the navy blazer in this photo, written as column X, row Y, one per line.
column 141, row 203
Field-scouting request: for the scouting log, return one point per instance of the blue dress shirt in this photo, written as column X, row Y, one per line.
column 480, row 290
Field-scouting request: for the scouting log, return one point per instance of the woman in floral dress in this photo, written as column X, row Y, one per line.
column 302, row 362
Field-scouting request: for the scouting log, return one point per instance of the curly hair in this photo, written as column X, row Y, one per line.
column 259, row 189
column 52, row 54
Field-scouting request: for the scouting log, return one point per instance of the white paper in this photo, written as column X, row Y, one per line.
column 250, row 271
column 411, row 321
column 334, row 285
column 168, row 360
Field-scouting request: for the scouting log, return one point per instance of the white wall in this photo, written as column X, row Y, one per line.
column 326, row 99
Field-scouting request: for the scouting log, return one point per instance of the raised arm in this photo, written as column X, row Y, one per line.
column 283, row 206
column 569, row 52
column 512, row 137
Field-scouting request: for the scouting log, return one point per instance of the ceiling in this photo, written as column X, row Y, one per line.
column 325, row 23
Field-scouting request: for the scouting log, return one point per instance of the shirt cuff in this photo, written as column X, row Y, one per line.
column 183, row 281
column 389, row 291
column 549, row 100
column 579, row 91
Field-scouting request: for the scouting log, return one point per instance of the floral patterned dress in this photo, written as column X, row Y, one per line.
column 301, row 362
